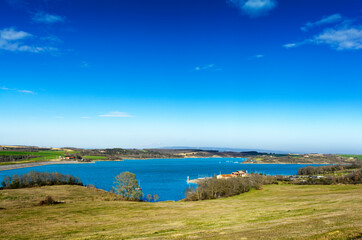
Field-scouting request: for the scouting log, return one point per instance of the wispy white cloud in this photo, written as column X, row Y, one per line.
column 324, row 21
column 254, row 8
column 10, row 34
column 257, row 56
column 204, row 67
column 343, row 35
column 14, row 41
column 26, row 91
column 341, row 39
column 84, row 64
column 17, row 90
column 43, row 17
column 52, row 39
column 291, row 45
column 116, row 114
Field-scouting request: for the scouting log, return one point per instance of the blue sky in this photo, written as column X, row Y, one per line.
column 269, row 74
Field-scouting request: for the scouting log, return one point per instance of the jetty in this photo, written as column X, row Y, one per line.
column 197, row 180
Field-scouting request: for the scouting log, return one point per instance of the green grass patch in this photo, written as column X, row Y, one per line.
column 40, row 153
column 39, row 156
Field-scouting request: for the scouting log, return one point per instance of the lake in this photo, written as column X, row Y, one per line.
column 165, row 177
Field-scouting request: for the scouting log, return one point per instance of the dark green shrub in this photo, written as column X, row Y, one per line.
column 33, row 179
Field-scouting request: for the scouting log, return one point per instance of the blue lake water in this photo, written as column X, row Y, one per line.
column 165, row 177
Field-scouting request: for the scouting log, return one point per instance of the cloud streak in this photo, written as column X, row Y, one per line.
column 204, row 67
column 347, row 38
column 10, row 34
column 116, row 114
column 254, row 8
column 26, row 91
column 324, row 21
column 291, row 45
column 16, row 41
column 47, row 18
column 341, row 39
column 85, row 64
column 341, row 36
column 17, row 90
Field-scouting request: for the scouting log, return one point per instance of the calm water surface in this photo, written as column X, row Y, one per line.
column 165, row 177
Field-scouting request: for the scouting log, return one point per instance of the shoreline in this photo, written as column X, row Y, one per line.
column 283, row 163
column 36, row 164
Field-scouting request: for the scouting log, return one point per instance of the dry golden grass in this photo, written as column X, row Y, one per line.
column 276, row 212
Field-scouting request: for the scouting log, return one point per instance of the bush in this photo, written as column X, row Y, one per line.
column 34, row 179
column 48, row 201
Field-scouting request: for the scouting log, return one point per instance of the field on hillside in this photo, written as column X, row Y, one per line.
column 42, row 156
column 95, row 157
column 39, row 156
column 276, row 212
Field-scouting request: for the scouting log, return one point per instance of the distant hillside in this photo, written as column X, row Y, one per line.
column 220, row 149
column 22, row 154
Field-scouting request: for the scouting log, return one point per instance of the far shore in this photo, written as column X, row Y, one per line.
column 281, row 163
column 36, row 164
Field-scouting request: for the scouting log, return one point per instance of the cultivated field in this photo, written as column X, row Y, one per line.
column 276, row 212
column 41, row 156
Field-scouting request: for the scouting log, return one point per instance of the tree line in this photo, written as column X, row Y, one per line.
column 354, row 177
column 311, row 170
column 35, row 179
column 12, row 158
column 212, row 188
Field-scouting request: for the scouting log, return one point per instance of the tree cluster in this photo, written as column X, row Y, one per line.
column 12, row 158
column 213, row 188
column 310, row 170
column 34, row 179
column 351, row 178
column 152, row 198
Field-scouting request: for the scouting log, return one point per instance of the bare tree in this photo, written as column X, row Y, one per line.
column 149, row 197
column 155, row 197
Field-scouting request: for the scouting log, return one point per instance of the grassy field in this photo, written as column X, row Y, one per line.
column 276, row 212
